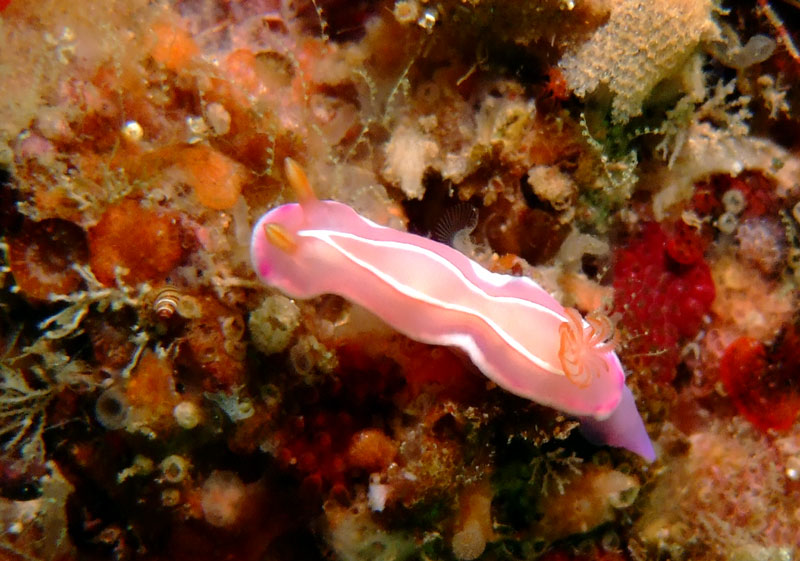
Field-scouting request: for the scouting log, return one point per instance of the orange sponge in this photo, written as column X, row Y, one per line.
column 216, row 179
column 144, row 242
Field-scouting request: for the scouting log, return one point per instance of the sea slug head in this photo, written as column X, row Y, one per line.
column 273, row 246
column 279, row 254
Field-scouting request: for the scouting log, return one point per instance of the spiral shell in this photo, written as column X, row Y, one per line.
column 166, row 303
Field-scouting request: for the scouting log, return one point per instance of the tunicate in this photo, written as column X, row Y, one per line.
column 758, row 49
column 727, row 223
column 734, row 201
column 174, row 468
column 187, row 414
column 111, row 409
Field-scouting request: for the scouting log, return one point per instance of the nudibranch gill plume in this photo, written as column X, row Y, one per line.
column 512, row 329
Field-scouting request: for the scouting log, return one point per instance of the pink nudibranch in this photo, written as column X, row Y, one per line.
column 512, row 329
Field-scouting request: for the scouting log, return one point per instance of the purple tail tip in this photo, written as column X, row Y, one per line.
column 624, row 429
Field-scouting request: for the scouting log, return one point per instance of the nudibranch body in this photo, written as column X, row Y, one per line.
column 513, row 330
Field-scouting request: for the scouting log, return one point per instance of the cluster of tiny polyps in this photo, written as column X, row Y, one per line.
column 232, row 323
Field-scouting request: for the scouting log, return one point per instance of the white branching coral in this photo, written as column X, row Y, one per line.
column 643, row 42
column 68, row 320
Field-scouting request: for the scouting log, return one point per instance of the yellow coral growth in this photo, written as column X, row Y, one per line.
column 643, row 42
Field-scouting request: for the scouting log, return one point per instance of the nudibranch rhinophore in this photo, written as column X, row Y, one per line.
column 513, row 330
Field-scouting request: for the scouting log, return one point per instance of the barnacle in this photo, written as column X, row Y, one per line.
column 111, row 409
column 582, row 346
